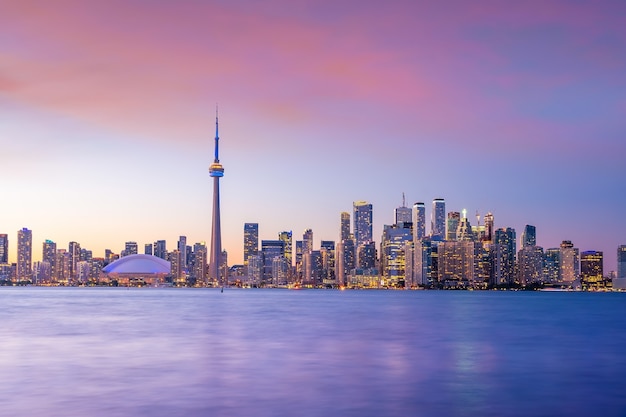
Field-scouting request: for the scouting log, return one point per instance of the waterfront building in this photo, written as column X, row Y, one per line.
column 327, row 254
column 137, row 270
column 62, row 267
column 452, row 224
column 569, row 262
column 280, row 270
column 392, row 252
column 419, row 221
column 363, row 221
column 270, row 249
column 364, row 278
column 504, row 256
column 344, row 228
column 312, row 268
column 83, row 272
column 200, row 263
column 438, row 219
column 74, row 253
column 345, row 260
column 41, row 272
column 4, row 248
column 49, row 255
column 177, row 271
column 552, row 265
column 24, row 254
column 530, row 264
column 250, row 241
column 456, row 263
column 592, row 268
column 255, row 269
column 216, row 171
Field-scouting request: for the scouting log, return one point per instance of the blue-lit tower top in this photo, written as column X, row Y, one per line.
column 216, row 169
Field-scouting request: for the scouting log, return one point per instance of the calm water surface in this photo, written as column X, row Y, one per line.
column 197, row 352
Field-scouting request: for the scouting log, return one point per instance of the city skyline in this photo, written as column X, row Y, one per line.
column 515, row 110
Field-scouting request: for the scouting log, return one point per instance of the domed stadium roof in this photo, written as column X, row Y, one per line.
column 138, row 264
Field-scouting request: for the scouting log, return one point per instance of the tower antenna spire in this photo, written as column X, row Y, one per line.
column 403, row 200
column 217, row 136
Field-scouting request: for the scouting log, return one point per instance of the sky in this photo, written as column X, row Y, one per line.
column 107, row 117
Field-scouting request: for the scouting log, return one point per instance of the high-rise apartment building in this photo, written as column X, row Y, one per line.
column 271, row 249
column 182, row 248
column 464, row 232
column 393, row 252
column 130, row 248
column 456, row 263
column 419, row 221
column 552, row 265
column 569, row 260
column 147, row 249
column 344, row 232
column 529, row 236
column 345, row 260
column 504, row 256
column 24, row 254
column 488, row 237
column 250, row 241
column 4, row 248
column 49, row 254
column 363, row 218
column 530, row 264
column 160, row 249
column 307, row 241
column 438, row 219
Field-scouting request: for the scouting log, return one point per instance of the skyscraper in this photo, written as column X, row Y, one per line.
column 216, row 171
column 307, row 241
column 454, row 217
column 362, row 217
column 49, row 255
column 504, row 256
column 182, row 248
column 403, row 213
column 250, row 241
column 147, row 249
column 489, row 228
column 569, row 262
column 130, row 248
column 621, row 261
column 287, row 237
column 419, row 221
column 160, row 249
column 345, row 226
column 591, row 268
column 529, row 236
column 438, row 219
column 4, row 249
column 271, row 249
column 74, row 258
column 24, row 254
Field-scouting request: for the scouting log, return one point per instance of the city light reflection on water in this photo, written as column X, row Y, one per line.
column 197, row 352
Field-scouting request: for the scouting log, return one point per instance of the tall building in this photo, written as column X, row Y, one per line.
column 250, row 241
column 403, row 213
column 591, row 268
column 216, row 171
column 307, row 241
column 438, row 219
column 345, row 260
column 419, row 221
column 530, row 264
column 454, row 217
column 182, row 248
column 489, row 229
column 24, row 254
column 49, row 254
column 362, row 217
column 287, row 237
column 456, row 263
column 552, row 265
column 4, row 249
column 160, row 249
column 345, row 226
column 504, row 256
column 147, row 249
column 130, row 248
column 200, row 263
column 464, row 231
column 529, row 236
column 327, row 254
column 366, row 255
column 621, row 261
column 393, row 252
column 271, row 249
column 569, row 260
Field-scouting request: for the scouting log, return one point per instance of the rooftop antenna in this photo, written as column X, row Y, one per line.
column 403, row 200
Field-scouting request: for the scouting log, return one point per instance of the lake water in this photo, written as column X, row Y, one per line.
column 198, row 352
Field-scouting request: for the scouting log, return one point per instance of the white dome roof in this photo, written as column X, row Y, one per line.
column 138, row 264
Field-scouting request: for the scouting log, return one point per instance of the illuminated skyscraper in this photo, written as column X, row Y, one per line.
column 621, row 261
column 438, row 219
column 456, row 263
column 288, row 239
column 182, row 248
column 271, row 249
column 74, row 254
column 250, row 241
column 4, row 249
column 489, row 228
column 216, row 171
column 345, row 226
column 393, row 252
column 49, row 254
column 345, row 260
column 362, row 217
column 569, row 262
column 307, row 241
column 591, row 268
column 464, row 229
column 419, row 221
column 24, row 254
column 454, row 217
column 504, row 256
column 403, row 213
column 552, row 265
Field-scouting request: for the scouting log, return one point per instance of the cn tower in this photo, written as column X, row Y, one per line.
column 216, row 170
